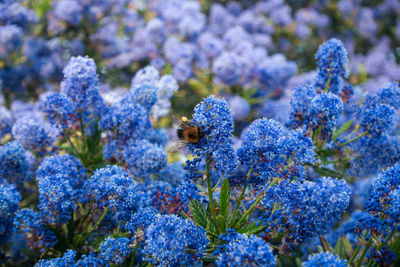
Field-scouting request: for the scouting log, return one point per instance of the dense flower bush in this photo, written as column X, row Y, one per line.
column 287, row 154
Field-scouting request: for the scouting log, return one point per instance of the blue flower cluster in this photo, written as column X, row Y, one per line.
column 175, row 241
column 115, row 250
column 332, row 66
column 245, row 250
column 9, row 204
column 324, row 259
column 15, row 163
column 383, row 193
column 274, row 152
column 214, row 117
column 303, row 209
column 59, row 179
column 271, row 166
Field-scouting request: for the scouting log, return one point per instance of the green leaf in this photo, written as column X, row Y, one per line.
column 198, row 86
column 326, row 153
column 210, row 258
column 41, row 7
column 78, row 239
column 328, row 172
column 298, row 262
column 235, row 218
column 396, row 245
column 325, row 245
column 342, row 129
column 344, row 248
column 71, row 229
column 252, row 228
column 199, row 213
column 221, row 223
column 224, row 198
column 168, row 68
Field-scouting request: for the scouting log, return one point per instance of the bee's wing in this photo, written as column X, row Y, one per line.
column 175, row 146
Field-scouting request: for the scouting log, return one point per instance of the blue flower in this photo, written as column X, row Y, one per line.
column 372, row 223
column 13, row 12
column 14, row 164
column 90, row 260
column 80, row 84
column 240, row 107
column 390, row 95
column 115, row 250
column 140, row 219
column 145, row 95
column 332, row 64
column 274, row 152
column 32, row 224
column 107, row 187
column 172, row 173
column 157, row 136
column 147, row 75
column 167, row 87
column 9, row 204
column 246, row 250
column 211, row 45
column 372, row 154
column 305, row 209
column 171, row 240
column 6, row 122
column 68, row 259
column 227, row 68
column 127, row 119
column 394, row 202
column 214, row 117
column 384, row 256
column 325, row 110
column 10, row 39
column 300, row 104
column 59, row 110
column 374, row 117
column 144, row 158
column 65, row 165
column 68, row 11
column 324, row 259
column 34, row 133
column 383, row 193
column 58, row 196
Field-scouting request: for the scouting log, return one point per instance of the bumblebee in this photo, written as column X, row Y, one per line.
column 187, row 132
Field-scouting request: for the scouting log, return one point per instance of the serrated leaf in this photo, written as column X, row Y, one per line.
column 344, row 248
column 251, row 228
column 328, row 172
column 224, row 198
column 395, row 247
column 342, row 129
column 325, row 245
column 199, row 213
column 235, row 218
column 221, row 223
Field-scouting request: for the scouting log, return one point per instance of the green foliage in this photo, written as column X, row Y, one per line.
column 224, row 198
column 199, row 213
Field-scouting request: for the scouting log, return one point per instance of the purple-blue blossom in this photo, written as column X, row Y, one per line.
column 174, row 240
